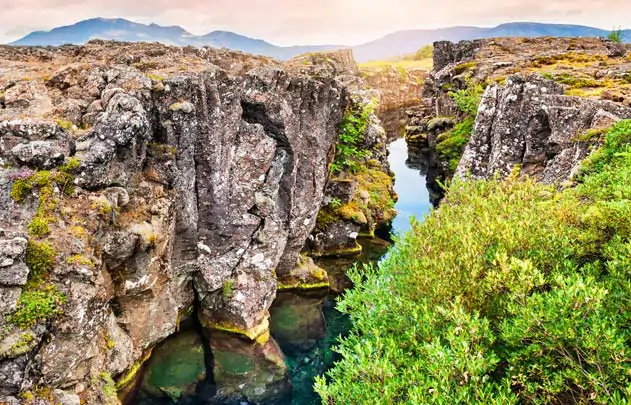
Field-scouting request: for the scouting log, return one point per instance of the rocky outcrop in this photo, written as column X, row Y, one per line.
column 530, row 124
column 359, row 198
column 395, row 89
column 542, row 94
column 146, row 179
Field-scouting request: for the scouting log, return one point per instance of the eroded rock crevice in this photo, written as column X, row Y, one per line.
column 200, row 184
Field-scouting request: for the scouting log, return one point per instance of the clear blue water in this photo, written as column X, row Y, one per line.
column 409, row 184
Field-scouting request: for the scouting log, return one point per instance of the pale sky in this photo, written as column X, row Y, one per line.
column 291, row 22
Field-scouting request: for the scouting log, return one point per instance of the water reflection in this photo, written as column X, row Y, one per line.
column 410, row 184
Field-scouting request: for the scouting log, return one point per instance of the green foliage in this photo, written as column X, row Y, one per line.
column 37, row 305
column 335, row 203
column 70, row 165
column 426, row 52
column 616, row 35
column 38, row 227
column 349, row 154
column 468, row 99
column 46, row 182
column 108, row 385
column 40, row 259
column 465, row 67
column 512, row 292
column 228, row 288
column 450, row 144
column 65, row 124
column 577, row 82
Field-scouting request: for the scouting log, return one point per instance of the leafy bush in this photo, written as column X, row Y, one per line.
column 349, row 154
column 616, row 35
column 425, row 52
column 511, row 292
column 450, row 144
column 37, row 305
column 468, row 99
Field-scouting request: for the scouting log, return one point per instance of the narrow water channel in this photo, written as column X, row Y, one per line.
column 305, row 325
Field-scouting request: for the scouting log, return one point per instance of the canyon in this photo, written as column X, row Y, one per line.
column 152, row 189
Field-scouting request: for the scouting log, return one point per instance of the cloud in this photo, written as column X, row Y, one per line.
column 300, row 21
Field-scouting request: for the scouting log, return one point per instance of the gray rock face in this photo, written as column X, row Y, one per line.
column 33, row 143
column 529, row 122
column 205, row 184
column 13, row 270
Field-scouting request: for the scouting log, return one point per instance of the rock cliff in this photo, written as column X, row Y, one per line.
column 138, row 181
column 545, row 102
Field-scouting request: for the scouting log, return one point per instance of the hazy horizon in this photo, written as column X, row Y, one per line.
column 293, row 22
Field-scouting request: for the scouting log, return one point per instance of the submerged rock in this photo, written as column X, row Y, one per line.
column 176, row 367
column 246, row 370
column 297, row 320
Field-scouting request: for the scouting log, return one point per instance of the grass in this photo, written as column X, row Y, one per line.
column 511, row 292
column 381, row 66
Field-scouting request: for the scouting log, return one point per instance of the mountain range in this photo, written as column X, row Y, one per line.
column 397, row 43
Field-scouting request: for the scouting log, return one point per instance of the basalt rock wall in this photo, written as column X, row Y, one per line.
column 137, row 179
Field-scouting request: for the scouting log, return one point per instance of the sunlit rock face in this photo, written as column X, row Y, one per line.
column 196, row 177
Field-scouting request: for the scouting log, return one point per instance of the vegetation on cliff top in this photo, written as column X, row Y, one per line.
column 450, row 145
column 512, row 292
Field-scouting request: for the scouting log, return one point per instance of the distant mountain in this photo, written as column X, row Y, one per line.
column 397, row 43
column 406, row 42
column 102, row 28
column 123, row 30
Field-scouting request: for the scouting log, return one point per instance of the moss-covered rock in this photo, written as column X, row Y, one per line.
column 248, row 370
column 176, row 366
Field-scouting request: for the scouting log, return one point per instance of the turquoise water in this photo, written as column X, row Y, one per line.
column 313, row 317
column 414, row 198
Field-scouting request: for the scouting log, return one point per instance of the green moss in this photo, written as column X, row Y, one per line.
column 70, row 165
column 40, row 259
column 80, row 260
column 108, row 385
column 591, row 135
column 465, row 67
column 38, row 227
column 155, row 77
column 20, row 190
column 128, row 376
column 577, row 82
column 37, row 305
column 227, row 289
column 343, row 252
column 65, row 124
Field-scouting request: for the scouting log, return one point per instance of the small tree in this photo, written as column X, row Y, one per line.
column 616, row 35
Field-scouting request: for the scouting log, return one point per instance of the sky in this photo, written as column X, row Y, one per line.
column 292, row 22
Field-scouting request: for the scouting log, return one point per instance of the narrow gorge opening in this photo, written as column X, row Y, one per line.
column 305, row 324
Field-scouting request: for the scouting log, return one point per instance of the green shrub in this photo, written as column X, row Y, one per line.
column 468, row 99
column 616, row 35
column 450, row 144
column 426, row 52
column 348, row 153
column 37, row 305
column 512, row 292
